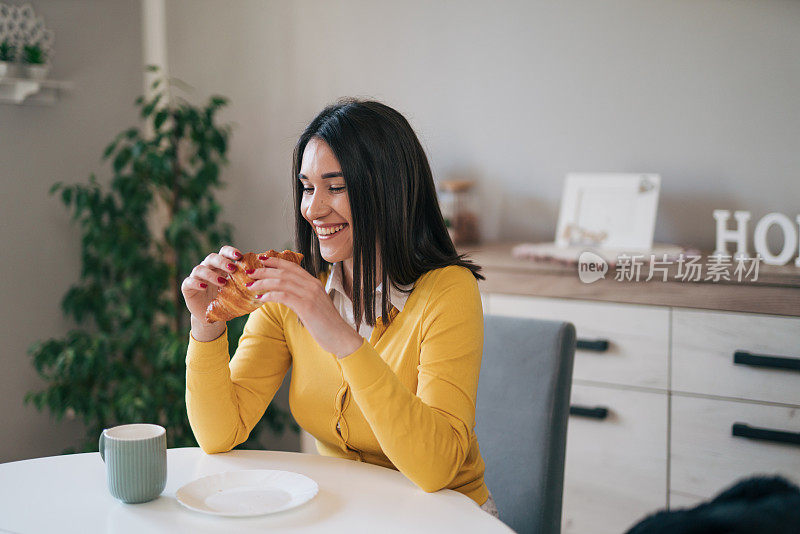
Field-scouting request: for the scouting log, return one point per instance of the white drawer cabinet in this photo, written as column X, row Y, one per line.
column 618, row 463
column 736, row 355
column 637, row 337
column 706, row 456
column 674, row 392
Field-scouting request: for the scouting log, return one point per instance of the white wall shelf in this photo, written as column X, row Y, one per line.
column 27, row 91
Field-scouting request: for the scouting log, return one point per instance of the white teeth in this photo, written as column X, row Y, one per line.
column 329, row 231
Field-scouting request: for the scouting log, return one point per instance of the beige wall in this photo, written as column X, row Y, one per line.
column 98, row 47
column 516, row 94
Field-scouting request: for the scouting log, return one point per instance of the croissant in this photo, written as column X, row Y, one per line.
column 234, row 298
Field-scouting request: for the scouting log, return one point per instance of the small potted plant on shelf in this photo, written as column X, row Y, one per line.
column 35, row 58
column 7, row 52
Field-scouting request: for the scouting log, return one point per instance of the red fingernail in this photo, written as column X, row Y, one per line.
column 263, row 257
column 221, row 280
column 259, row 296
column 232, row 267
column 250, row 283
column 203, row 285
column 250, row 271
column 239, row 255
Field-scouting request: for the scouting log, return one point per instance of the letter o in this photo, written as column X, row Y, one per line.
column 789, row 238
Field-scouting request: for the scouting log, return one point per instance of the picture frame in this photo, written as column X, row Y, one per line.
column 608, row 211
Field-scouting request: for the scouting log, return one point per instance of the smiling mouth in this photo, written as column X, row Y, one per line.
column 327, row 232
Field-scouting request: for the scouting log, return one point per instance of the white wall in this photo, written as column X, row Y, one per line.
column 98, row 47
column 516, row 94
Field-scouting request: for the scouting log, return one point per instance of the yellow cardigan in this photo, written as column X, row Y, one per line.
column 404, row 400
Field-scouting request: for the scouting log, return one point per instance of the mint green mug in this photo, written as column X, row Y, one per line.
column 136, row 461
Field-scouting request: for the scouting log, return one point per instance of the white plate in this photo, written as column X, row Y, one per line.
column 247, row 493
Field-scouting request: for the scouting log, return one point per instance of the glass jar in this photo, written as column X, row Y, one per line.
column 459, row 205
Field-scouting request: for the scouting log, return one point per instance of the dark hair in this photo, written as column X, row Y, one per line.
column 392, row 201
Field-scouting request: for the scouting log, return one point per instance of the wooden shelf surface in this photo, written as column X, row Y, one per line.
column 776, row 291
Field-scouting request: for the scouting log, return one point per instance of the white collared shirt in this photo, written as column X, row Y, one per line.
column 335, row 287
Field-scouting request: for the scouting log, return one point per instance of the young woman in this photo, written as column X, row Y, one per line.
column 382, row 325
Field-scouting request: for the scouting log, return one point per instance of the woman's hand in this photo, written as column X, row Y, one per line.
column 288, row 283
column 203, row 284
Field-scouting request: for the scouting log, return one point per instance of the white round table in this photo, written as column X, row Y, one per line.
column 69, row 494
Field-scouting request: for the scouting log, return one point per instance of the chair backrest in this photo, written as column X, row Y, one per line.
column 521, row 418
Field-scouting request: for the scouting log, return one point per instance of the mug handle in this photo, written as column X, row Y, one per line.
column 102, row 445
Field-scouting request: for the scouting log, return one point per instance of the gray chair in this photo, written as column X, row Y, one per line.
column 521, row 418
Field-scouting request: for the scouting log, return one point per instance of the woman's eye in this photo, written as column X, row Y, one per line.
column 334, row 189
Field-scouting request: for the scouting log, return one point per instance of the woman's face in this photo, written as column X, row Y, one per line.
column 325, row 204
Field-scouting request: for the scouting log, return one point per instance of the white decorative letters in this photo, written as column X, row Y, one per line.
column 797, row 259
column 789, row 238
column 739, row 235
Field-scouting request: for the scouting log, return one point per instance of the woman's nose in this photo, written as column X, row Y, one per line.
column 318, row 206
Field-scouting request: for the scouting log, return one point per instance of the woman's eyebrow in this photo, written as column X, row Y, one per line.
column 335, row 174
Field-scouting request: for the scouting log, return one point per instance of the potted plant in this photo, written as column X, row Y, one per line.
column 35, row 58
column 124, row 363
column 7, row 53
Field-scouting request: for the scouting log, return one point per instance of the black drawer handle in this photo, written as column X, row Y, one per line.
column 743, row 430
column 743, row 357
column 598, row 412
column 597, row 345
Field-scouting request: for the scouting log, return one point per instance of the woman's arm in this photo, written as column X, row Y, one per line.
column 426, row 434
column 225, row 399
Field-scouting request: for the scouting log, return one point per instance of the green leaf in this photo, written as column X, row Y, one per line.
column 208, row 174
column 66, row 196
column 147, row 110
column 109, row 149
column 220, row 143
column 161, row 116
column 218, row 101
column 122, row 159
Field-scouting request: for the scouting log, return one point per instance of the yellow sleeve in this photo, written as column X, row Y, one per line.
column 225, row 399
column 427, row 435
